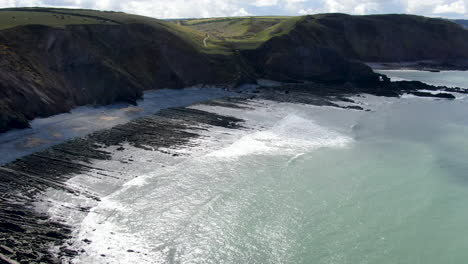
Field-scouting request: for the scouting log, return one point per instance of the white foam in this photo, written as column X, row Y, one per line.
column 288, row 136
column 270, row 129
column 458, row 96
column 110, row 244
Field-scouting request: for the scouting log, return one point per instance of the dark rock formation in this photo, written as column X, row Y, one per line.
column 328, row 94
column 436, row 95
column 294, row 57
column 330, row 48
column 388, row 38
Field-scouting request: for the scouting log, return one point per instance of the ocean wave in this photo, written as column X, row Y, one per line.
column 288, row 136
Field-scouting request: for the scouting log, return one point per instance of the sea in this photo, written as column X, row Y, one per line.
column 298, row 184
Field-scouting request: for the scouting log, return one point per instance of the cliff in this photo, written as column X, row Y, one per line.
column 46, row 70
column 52, row 60
column 387, row 38
column 370, row 38
column 330, row 47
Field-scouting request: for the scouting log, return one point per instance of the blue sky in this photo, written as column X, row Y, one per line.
column 217, row 8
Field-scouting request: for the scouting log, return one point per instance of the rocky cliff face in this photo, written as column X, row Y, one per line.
column 387, row 38
column 293, row 57
column 332, row 47
column 44, row 70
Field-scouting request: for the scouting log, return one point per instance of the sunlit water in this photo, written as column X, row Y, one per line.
column 306, row 185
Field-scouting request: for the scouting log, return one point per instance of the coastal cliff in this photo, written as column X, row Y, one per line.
column 371, row 38
column 332, row 47
column 388, row 38
column 62, row 58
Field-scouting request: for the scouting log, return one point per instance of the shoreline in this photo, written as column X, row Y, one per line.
column 28, row 234
column 81, row 121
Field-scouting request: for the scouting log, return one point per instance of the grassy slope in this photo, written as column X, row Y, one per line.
column 241, row 32
column 12, row 18
column 363, row 32
column 225, row 34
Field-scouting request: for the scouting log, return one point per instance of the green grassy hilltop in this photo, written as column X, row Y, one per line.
column 365, row 35
column 241, row 32
column 49, row 17
column 224, row 35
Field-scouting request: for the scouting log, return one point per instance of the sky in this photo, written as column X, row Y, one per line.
column 220, row 8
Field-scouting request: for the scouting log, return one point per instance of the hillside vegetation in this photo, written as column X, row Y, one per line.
column 225, row 34
column 361, row 37
column 370, row 38
column 61, row 18
column 12, row 18
column 49, row 65
column 242, row 32
column 386, row 38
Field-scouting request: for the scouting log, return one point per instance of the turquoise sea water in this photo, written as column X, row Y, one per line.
column 442, row 78
column 314, row 185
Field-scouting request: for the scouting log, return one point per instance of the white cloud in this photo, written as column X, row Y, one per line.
column 306, row 11
column 416, row 6
column 241, row 12
column 216, row 8
column 366, row 8
column 455, row 7
column 12, row 3
column 265, row 2
column 183, row 8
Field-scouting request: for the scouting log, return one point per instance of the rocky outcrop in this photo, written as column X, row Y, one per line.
column 327, row 94
column 44, row 70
